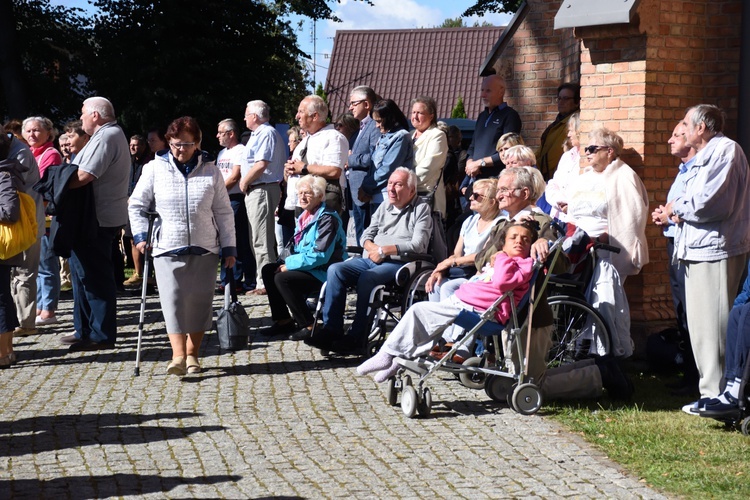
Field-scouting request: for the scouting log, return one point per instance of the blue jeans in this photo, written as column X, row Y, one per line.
column 48, row 279
column 365, row 275
column 245, row 263
column 361, row 215
column 94, row 289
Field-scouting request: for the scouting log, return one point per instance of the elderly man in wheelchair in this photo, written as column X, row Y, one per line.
column 402, row 225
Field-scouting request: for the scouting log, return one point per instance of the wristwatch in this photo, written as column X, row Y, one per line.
column 304, row 170
column 482, row 163
column 381, row 252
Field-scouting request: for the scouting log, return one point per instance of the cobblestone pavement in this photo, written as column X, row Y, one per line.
column 277, row 420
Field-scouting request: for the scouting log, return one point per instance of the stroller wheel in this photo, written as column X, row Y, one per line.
column 409, row 401
column 425, row 404
column 472, row 380
column 499, row 388
column 391, row 392
column 746, row 426
column 527, row 399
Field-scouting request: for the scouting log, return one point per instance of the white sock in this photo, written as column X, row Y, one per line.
column 733, row 387
column 380, row 361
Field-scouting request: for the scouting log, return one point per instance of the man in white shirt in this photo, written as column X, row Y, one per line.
column 323, row 151
column 230, row 161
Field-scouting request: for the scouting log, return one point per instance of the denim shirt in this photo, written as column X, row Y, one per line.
column 393, row 150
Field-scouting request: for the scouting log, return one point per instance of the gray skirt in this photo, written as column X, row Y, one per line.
column 186, row 291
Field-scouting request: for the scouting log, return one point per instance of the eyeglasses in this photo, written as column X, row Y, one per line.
column 222, row 132
column 506, row 191
column 558, row 98
column 181, row 145
column 476, row 196
column 356, row 103
column 593, row 149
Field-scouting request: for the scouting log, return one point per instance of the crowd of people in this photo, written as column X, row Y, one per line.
column 274, row 214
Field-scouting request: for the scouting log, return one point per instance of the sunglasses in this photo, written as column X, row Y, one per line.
column 476, row 196
column 593, row 149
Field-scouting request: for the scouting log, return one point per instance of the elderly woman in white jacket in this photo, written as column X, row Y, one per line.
column 430, row 150
column 195, row 222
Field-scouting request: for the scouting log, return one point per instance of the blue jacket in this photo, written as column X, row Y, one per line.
column 323, row 243
column 361, row 158
column 394, row 149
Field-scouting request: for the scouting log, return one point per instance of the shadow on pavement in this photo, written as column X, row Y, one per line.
column 49, row 433
column 115, row 485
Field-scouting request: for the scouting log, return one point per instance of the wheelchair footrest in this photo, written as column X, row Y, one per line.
column 420, row 365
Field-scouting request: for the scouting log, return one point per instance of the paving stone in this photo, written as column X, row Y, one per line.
column 277, row 419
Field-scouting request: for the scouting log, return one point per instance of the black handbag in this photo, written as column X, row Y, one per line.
column 232, row 323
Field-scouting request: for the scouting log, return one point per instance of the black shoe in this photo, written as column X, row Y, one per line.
column 350, row 345
column 86, row 345
column 277, row 329
column 70, row 339
column 714, row 408
column 323, row 339
column 614, row 380
column 301, row 334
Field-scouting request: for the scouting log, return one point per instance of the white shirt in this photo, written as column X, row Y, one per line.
column 227, row 159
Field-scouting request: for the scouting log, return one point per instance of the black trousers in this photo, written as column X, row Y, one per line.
column 288, row 292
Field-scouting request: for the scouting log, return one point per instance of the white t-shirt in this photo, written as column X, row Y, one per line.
column 226, row 161
column 473, row 239
column 328, row 147
column 587, row 207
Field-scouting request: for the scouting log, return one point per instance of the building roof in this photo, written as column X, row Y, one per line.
column 443, row 63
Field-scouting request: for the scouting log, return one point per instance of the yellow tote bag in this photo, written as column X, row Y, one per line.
column 20, row 235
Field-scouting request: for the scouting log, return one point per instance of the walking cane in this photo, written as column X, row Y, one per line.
column 151, row 216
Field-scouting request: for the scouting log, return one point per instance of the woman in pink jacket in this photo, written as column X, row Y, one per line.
column 425, row 321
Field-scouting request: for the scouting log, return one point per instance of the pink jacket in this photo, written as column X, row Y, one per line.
column 46, row 155
column 508, row 273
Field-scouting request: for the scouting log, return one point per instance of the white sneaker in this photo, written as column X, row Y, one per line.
column 52, row 320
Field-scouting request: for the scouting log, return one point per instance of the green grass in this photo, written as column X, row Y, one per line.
column 654, row 440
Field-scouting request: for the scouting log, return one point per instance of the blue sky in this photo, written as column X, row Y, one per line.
column 384, row 14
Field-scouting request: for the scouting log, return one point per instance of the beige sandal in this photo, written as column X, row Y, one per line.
column 192, row 365
column 177, row 366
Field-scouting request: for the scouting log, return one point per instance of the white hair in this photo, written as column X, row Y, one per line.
column 101, row 106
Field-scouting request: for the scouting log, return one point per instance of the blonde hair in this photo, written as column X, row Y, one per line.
column 521, row 153
column 509, row 139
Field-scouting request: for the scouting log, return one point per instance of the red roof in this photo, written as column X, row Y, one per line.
column 443, row 63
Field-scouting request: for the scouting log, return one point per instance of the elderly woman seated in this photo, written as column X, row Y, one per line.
column 459, row 267
column 319, row 240
column 511, row 270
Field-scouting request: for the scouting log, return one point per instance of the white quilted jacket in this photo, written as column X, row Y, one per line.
column 193, row 211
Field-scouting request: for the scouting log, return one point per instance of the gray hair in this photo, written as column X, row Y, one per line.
column 316, row 104
column 522, row 153
column 712, row 116
column 46, row 124
column 412, row 177
column 529, row 178
column 603, row 136
column 260, row 109
column 101, row 106
column 428, row 103
column 316, row 184
column 366, row 93
column 230, row 124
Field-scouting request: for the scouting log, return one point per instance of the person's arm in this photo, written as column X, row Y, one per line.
column 10, row 206
column 420, row 233
column 80, row 179
column 234, row 177
column 510, row 272
column 141, row 199
column 361, row 156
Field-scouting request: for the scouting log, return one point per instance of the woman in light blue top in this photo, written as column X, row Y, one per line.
column 459, row 267
column 393, row 150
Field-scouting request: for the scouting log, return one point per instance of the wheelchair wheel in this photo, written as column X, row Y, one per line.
column 574, row 326
column 424, row 406
column 416, row 292
column 527, row 399
column 471, row 380
column 745, row 426
column 391, row 393
column 499, row 388
column 409, row 401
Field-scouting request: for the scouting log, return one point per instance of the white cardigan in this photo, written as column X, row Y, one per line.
column 430, row 151
column 193, row 211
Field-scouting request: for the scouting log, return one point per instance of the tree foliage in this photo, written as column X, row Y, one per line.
column 203, row 58
column 52, row 44
column 457, row 22
column 498, row 6
column 458, row 110
column 314, row 9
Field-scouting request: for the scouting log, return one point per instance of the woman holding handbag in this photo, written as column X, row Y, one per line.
column 430, row 151
column 11, row 181
column 195, row 221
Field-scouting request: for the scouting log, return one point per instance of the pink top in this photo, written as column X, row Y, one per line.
column 508, row 273
column 46, row 155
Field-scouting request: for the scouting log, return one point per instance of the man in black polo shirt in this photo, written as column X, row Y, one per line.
column 497, row 119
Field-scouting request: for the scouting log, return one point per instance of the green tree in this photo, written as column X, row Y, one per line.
column 43, row 50
column 499, row 6
column 204, row 58
column 457, row 22
column 458, row 110
column 321, row 93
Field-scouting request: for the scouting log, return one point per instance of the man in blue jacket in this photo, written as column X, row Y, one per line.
column 361, row 101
